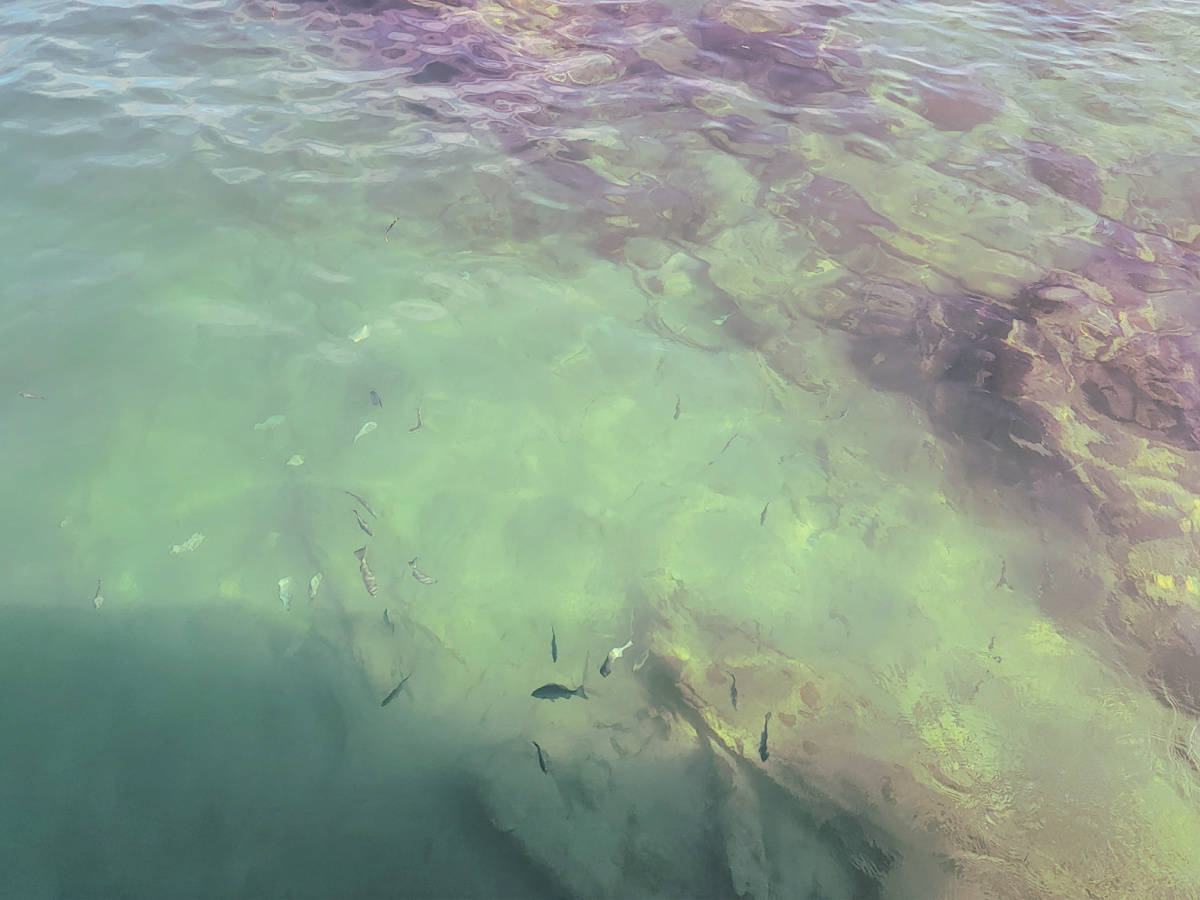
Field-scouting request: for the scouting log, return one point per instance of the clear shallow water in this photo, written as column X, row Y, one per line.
column 847, row 351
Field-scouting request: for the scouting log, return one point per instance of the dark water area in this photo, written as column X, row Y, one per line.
column 826, row 371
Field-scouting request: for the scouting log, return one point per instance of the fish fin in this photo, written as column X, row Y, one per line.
column 360, row 553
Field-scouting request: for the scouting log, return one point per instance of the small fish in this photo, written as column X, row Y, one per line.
column 363, row 525
column 613, row 654
column 285, row 592
column 418, row 574
column 553, row 645
column 296, row 460
column 676, row 416
column 389, row 228
column 189, row 545
column 361, row 335
column 28, row 396
column 762, row 742
column 417, row 427
column 396, row 690
column 721, row 320
column 558, row 692
column 733, row 690
column 762, row 517
column 363, row 503
column 97, row 598
column 541, row 757
column 270, row 422
column 1003, row 582
column 368, row 577
column 375, row 401
column 367, row 428
column 726, row 447
column 388, row 623
column 314, row 585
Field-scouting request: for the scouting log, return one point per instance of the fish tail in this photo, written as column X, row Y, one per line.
column 360, row 553
column 580, row 692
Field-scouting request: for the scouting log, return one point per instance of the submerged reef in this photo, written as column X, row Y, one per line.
column 1032, row 300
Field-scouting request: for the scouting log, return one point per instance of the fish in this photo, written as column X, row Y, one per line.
column 375, row 401
column 417, row 427
column 28, row 396
column 314, row 585
column 553, row 645
column 762, row 742
column 296, row 460
column 396, row 690
column 389, row 228
column 367, row 428
column 189, row 545
column 733, row 690
column 363, row 525
column 1003, row 582
column 762, row 517
column 418, row 574
column 388, row 623
column 270, row 422
column 97, row 598
column 368, row 577
column 285, row 592
column 613, row 654
column 558, row 692
column 541, row 757
column 676, row 416
column 363, row 503
column 361, row 335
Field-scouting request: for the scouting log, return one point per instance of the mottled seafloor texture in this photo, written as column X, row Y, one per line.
column 847, row 351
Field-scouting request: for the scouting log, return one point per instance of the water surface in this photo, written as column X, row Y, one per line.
column 845, row 350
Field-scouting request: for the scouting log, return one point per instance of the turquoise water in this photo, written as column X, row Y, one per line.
column 845, row 353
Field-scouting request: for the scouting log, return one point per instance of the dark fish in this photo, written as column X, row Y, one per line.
column 733, row 690
column 396, row 690
column 389, row 228
column 368, row 577
column 676, row 416
column 558, row 692
column 541, row 758
column 363, row 525
column 553, row 645
column 375, row 401
column 388, row 623
column 726, row 447
column 762, row 742
column 28, row 396
column 762, row 517
column 606, row 666
column 363, row 503
column 1003, row 582
column 417, row 427
column 418, row 574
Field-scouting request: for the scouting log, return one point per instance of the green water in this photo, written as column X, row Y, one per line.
column 670, row 436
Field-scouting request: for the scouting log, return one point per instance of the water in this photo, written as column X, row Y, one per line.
column 845, row 350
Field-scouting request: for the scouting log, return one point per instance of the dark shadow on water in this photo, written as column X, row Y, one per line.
column 162, row 756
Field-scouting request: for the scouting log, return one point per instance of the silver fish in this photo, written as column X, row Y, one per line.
column 368, row 577
column 367, row 428
column 418, row 574
column 363, row 525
